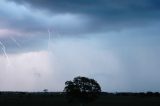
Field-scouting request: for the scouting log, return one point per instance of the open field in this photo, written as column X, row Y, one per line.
column 58, row 99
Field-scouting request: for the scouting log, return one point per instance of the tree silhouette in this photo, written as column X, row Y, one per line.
column 45, row 90
column 82, row 89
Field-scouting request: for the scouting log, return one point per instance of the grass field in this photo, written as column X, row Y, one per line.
column 58, row 99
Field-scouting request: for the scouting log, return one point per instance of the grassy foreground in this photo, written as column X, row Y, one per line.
column 58, row 99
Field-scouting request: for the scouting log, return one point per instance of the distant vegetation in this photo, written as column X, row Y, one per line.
column 59, row 99
column 80, row 91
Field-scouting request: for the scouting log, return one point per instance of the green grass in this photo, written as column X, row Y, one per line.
column 57, row 99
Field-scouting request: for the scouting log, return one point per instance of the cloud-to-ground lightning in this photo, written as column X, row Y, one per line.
column 4, row 51
column 49, row 38
column 15, row 41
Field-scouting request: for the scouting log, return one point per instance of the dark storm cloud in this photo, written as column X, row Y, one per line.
column 99, row 15
column 93, row 6
column 103, row 11
column 32, row 18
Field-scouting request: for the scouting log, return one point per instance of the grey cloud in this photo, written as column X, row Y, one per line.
column 107, row 10
column 74, row 18
column 93, row 6
column 95, row 15
column 27, row 20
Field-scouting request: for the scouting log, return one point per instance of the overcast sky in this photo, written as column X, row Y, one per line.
column 44, row 43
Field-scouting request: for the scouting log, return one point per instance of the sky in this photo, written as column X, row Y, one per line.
column 44, row 43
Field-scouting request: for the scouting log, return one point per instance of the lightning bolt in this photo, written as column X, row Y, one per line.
column 49, row 38
column 15, row 41
column 4, row 51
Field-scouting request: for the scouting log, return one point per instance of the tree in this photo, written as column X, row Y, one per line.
column 82, row 89
column 45, row 90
